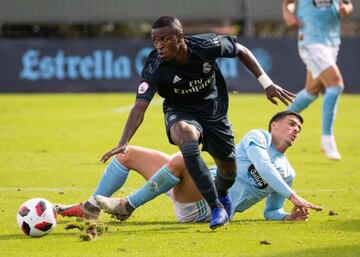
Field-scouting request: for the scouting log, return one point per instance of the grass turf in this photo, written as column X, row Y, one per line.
column 50, row 146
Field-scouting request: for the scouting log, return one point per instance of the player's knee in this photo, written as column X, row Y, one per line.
column 122, row 159
column 332, row 77
column 125, row 159
column 314, row 91
column 176, row 164
column 183, row 132
column 314, row 88
column 336, row 79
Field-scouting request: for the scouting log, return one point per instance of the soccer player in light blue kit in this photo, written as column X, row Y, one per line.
column 263, row 172
column 318, row 43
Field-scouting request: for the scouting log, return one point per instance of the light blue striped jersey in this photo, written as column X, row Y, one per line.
column 250, row 186
column 320, row 22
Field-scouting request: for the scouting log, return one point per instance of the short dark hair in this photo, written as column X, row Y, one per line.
column 280, row 115
column 168, row 21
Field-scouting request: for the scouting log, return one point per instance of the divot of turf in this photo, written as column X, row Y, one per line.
column 88, row 230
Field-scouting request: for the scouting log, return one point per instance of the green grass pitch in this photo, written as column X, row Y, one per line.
column 50, row 146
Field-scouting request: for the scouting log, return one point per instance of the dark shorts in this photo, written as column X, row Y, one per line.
column 217, row 136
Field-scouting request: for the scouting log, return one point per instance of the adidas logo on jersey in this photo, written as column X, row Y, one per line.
column 176, row 79
column 231, row 155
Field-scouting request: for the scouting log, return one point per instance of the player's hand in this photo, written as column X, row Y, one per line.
column 280, row 93
column 119, row 149
column 303, row 204
column 297, row 214
column 291, row 20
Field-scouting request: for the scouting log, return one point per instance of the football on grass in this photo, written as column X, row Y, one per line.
column 36, row 217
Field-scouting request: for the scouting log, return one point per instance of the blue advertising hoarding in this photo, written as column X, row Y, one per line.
column 114, row 65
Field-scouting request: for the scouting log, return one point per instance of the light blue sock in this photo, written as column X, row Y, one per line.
column 330, row 101
column 113, row 178
column 162, row 181
column 302, row 100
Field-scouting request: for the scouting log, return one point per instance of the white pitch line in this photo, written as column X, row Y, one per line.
column 325, row 190
column 9, row 189
column 127, row 108
column 51, row 189
column 54, row 189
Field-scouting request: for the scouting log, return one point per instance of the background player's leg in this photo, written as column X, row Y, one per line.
column 333, row 82
column 307, row 95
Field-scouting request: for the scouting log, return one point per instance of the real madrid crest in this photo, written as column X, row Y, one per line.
column 206, row 67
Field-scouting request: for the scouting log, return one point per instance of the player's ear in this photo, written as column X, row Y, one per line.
column 179, row 37
column 273, row 125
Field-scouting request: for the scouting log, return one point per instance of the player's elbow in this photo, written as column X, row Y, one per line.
column 271, row 214
column 266, row 215
column 242, row 51
column 128, row 159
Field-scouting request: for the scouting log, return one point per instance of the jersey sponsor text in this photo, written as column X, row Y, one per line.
column 195, row 86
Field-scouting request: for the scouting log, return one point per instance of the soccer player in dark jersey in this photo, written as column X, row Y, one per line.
column 183, row 70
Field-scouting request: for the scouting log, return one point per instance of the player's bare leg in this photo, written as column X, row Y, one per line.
column 334, row 85
column 160, row 180
column 185, row 191
column 307, row 95
column 313, row 86
column 137, row 158
column 144, row 161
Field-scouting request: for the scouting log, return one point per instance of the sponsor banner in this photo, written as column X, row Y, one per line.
column 114, row 65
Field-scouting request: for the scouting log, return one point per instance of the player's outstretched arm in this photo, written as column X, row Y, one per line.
column 266, row 169
column 301, row 203
column 134, row 120
column 274, row 209
column 272, row 90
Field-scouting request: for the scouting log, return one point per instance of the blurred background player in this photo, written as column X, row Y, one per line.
column 318, row 42
column 263, row 171
column 183, row 70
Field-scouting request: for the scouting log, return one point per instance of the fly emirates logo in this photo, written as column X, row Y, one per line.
column 195, row 86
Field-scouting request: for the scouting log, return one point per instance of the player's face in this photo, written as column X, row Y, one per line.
column 287, row 129
column 166, row 42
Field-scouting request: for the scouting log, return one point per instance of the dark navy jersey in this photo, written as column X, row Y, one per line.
column 197, row 86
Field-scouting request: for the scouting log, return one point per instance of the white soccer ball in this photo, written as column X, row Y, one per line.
column 36, row 217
